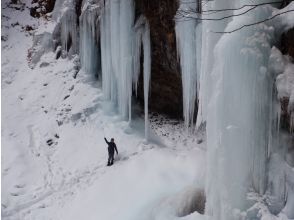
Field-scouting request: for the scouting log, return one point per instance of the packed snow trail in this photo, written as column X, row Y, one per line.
column 54, row 156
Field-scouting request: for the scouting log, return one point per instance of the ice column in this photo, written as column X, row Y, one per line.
column 187, row 48
column 238, row 118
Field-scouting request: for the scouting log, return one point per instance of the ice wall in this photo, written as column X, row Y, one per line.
column 188, row 46
column 239, row 115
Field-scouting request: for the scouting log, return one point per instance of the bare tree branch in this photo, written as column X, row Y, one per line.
column 188, row 14
column 255, row 23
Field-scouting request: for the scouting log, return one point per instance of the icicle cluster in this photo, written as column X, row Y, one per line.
column 117, row 44
column 188, row 33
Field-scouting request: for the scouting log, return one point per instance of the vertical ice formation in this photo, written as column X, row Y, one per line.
column 239, row 116
column 90, row 39
column 188, row 47
column 143, row 37
column 120, row 55
column 65, row 15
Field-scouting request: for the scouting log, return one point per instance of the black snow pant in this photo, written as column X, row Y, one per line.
column 110, row 158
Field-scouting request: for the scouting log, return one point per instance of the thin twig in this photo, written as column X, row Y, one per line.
column 252, row 24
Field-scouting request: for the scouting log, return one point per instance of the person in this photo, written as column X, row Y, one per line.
column 111, row 149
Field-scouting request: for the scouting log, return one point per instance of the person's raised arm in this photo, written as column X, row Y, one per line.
column 106, row 140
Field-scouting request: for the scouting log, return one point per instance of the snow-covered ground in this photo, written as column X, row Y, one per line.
column 53, row 152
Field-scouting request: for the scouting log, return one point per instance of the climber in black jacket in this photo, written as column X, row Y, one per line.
column 111, row 148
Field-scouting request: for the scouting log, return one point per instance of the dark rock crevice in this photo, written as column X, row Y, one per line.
column 287, row 48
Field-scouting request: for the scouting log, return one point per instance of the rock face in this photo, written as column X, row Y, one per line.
column 166, row 85
column 41, row 7
column 287, row 43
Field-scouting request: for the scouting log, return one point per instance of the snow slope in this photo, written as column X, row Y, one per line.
column 54, row 155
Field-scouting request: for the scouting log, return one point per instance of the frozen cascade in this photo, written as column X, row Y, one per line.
column 188, row 47
column 239, row 116
column 90, row 40
column 120, row 55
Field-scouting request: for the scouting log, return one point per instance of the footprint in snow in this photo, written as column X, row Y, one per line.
column 19, row 186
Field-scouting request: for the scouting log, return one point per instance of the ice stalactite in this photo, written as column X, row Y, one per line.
column 239, row 116
column 90, row 40
column 188, row 46
column 143, row 37
column 65, row 15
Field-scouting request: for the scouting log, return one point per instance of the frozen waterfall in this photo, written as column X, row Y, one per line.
column 110, row 36
column 240, row 114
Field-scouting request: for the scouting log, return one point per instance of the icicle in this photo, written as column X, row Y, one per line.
column 147, row 73
column 143, row 37
column 188, row 54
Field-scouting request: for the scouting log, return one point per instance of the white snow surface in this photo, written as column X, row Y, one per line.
column 53, row 152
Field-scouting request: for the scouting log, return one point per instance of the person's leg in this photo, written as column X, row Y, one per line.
column 111, row 159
